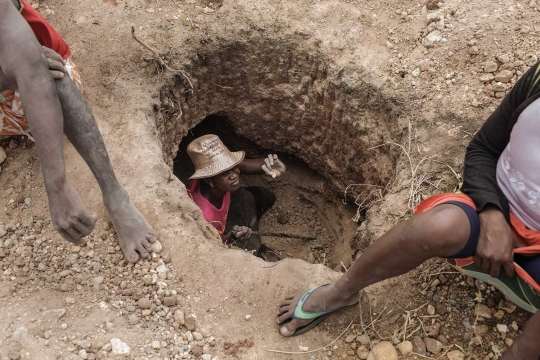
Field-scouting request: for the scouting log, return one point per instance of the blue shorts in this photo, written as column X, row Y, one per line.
column 531, row 264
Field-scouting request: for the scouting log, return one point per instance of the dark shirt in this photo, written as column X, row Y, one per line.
column 479, row 177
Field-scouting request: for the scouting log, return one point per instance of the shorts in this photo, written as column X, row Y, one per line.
column 12, row 118
column 527, row 258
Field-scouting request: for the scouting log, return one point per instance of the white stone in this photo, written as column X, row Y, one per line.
column 432, row 38
column 156, row 247
column 383, row 351
column 502, row 328
column 119, row 347
column 248, row 317
column 416, row 72
column 405, row 347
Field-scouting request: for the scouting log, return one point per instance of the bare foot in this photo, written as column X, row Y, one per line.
column 323, row 299
column 135, row 235
column 68, row 215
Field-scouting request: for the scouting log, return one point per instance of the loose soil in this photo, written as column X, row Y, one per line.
column 337, row 84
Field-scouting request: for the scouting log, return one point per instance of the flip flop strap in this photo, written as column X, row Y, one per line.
column 299, row 312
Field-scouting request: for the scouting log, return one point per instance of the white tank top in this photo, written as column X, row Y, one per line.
column 518, row 168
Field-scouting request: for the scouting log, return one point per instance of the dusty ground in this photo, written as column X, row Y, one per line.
column 323, row 80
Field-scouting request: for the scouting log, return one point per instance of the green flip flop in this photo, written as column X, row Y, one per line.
column 317, row 317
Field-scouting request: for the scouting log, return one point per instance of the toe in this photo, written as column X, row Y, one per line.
column 284, row 316
column 283, row 309
column 285, row 302
column 131, row 255
column 142, row 250
column 288, row 329
column 151, row 238
column 147, row 245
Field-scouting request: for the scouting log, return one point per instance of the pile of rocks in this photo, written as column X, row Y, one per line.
column 33, row 256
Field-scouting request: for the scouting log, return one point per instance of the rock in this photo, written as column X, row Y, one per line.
column 98, row 280
column 433, row 346
column 197, row 351
column 3, row 231
column 455, row 355
column 503, row 329
column 503, row 58
column 162, row 271
column 3, row 155
column 430, row 310
column 486, row 77
column 190, row 323
column 416, row 72
column 480, row 285
column 363, row 339
column 433, row 330
column 473, row 50
column 432, row 4
column 419, row 346
column 83, row 344
column 144, row 303
column 405, row 347
column 156, row 247
column 435, row 16
column 432, row 38
column 248, row 317
column 509, row 342
column 514, row 326
column 504, row 76
column 507, row 306
column 383, row 351
column 119, row 347
column 481, row 330
column 350, row 338
column 490, row 66
column 283, row 218
column 13, row 144
column 499, row 314
column 483, row 311
column 133, row 319
column 362, row 352
column 441, row 309
column 169, row 301
column 179, row 316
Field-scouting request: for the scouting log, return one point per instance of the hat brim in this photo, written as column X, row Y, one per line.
column 226, row 162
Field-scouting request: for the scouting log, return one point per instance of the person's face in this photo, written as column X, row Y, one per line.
column 227, row 181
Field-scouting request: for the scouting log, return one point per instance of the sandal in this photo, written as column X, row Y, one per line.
column 317, row 317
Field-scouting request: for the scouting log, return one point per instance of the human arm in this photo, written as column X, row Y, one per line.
column 496, row 241
column 527, row 346
column 270, row 165
column 237, row 232
column 22, row 63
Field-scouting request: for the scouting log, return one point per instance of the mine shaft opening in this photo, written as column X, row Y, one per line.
column 308, row 221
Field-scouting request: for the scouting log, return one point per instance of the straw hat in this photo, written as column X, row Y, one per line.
column 211, row 157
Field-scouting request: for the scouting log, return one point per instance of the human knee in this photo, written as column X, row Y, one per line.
column 443, row 226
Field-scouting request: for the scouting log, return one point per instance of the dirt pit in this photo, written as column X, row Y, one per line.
column 310, row 221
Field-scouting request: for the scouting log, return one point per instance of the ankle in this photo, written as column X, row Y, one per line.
column 115, row 198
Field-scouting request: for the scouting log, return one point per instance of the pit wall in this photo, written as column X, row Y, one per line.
column 289, row 99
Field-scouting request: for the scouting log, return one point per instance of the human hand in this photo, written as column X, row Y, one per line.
column 495, row 243
column 56, row 64
column 68, row 215
column 273, row 166
column 241, row 232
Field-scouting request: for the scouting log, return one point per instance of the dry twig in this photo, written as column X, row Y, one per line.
column 159, row 59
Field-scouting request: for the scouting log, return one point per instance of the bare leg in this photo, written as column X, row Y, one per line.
column 526, row 346
column 134, row 233
column 441, row 231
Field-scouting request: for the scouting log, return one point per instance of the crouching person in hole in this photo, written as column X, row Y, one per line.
column 40, row 96
column 232, row 209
